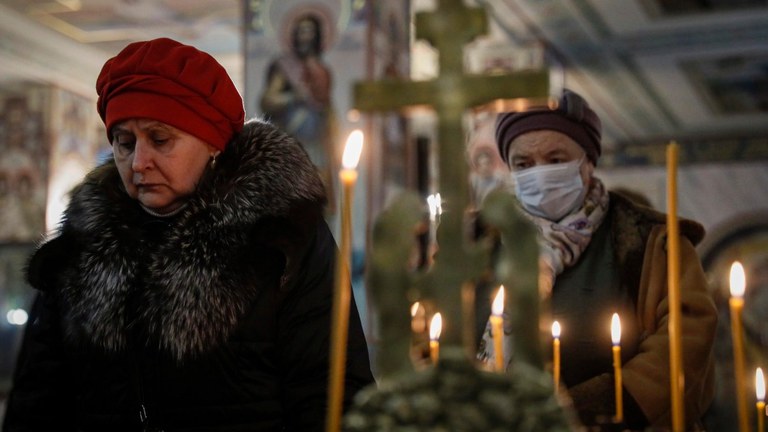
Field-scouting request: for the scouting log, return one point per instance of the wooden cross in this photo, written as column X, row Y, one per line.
column 451, row 93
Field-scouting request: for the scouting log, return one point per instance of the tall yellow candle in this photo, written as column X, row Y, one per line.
column 342, row 294
column 497, row 329
column 737, row 286
column 677, row 383
column 435, row 327
column 556, row 354
column 760, row 394
column 616, row 339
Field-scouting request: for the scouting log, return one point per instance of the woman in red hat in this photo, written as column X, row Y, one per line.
column 189, row 285
column 603, row 253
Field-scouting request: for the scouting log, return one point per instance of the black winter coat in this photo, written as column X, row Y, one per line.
column 217, row 319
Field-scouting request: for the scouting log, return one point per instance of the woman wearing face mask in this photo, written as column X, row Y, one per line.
column 601, row 254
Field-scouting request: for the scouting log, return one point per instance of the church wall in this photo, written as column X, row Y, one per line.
column 48, row 141
column 712, row 193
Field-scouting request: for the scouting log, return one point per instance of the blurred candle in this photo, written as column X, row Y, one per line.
column 616, row 339
column 418, row 321
column 760, row 394
column 737, row 285
column 341, row 298
column 435, row 327
column 435, row 204
column 676, row 381
column 497, row 329
column 556, row 354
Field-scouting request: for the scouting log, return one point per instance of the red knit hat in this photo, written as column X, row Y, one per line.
column 176, row 84
column 573, row 117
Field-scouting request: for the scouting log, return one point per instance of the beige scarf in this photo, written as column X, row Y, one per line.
column 562, row 242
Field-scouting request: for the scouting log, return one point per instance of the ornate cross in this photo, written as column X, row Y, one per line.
column 451, row 93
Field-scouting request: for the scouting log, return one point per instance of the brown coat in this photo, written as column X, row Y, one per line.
column 647, row 375
column 639, row 236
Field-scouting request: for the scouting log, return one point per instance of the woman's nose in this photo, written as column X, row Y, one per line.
column 142, row 156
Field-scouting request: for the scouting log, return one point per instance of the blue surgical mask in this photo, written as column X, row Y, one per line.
column 551, row 191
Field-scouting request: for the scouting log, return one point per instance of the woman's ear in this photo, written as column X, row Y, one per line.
column 213, row 151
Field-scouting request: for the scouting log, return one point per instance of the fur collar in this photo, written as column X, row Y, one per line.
column 192, row 285
column 631, row 225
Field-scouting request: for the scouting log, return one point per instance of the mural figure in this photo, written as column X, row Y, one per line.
column 297, row 96
column 21, row 168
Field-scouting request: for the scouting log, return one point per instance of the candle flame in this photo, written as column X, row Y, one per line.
column 352, row 150
column 498, row 303
column 435, row 327
column 759, row 385
column 737, row 280
column 415, row 308
column 435, row 203
column 556, row 330
column 615, row 329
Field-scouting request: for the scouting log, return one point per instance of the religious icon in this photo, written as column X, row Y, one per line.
column 297, row 94
column 22, row 172
column 74, row 149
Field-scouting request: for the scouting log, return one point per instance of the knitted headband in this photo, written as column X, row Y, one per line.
column 176, row 84
column 572, row 117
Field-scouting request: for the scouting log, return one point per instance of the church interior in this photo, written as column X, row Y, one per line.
column 656, row 72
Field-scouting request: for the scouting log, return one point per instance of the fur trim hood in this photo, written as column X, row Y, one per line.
column 187, row 285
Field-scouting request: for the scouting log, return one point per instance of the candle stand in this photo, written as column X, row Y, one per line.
column 455, row 394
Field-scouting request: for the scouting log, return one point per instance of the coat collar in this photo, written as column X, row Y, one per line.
column 192, row 285
column 631, row 226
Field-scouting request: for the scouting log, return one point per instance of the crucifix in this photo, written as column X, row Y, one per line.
column 451, row 93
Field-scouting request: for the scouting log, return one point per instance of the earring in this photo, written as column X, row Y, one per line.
column 213, row 160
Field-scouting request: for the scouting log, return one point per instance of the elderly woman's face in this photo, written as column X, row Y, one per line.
column 546, row 147
column 159, row 164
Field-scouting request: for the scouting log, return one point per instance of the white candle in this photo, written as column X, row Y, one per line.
column 435, row 204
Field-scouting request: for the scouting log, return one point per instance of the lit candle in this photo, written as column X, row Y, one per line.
column 760, row 393
column 616, row 339
column 435, row 204
column 435, row 327
column 676, row 381
column 737, row 285
column 417, row 318
column 556, row 354
column 497, row 328
column 341, row 298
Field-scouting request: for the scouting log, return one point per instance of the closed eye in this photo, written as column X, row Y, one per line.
column 125, row 142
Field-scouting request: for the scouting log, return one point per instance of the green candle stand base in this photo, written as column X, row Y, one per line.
column 457, row 396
